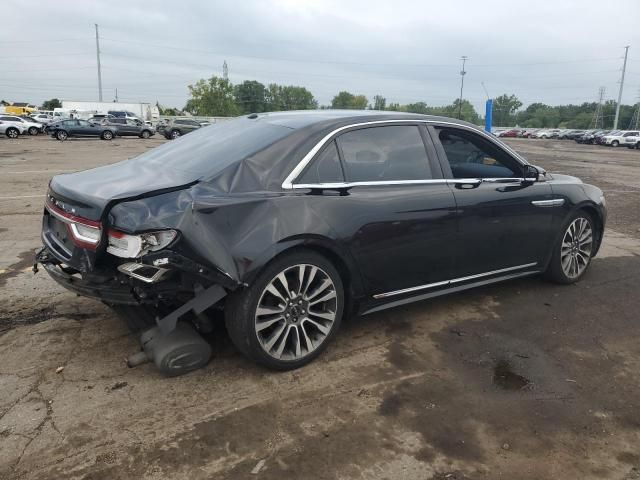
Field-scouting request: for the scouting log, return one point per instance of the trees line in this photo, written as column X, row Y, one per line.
column 217, row 96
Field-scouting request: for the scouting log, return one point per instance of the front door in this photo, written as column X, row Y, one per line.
column 394, row 211
column 504, row 223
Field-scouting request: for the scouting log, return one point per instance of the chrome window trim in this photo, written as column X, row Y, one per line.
column 436, row 181
column 452, row 281
column 297, row 170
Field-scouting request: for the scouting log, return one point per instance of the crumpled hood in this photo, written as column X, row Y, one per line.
column 91, row 191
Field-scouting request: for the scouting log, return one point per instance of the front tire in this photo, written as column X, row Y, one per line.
column 145, row 134
column 62, row 135
column 34, row 131
column 175, row 134
column 107, row 135
column 290, row 313
column 572, row 252
column 615, row 143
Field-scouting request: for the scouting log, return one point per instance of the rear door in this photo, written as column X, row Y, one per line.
column 390, row 204
column 504, row 223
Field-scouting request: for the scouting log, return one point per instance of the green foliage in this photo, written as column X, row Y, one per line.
column 51, row 104
column 251, row 97
column 468, row 113
column 213, row 97
column 504, row 109
column 281, row 97
column 348, row 100
column 379, row 102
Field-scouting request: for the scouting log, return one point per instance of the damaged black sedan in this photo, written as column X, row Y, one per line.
column 287, row 222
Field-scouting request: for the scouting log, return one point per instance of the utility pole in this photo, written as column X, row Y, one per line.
column 225, row 71
column 624, row 68
column 598, row 118
column 99, row 71
column 462, row 74
column 116, row 95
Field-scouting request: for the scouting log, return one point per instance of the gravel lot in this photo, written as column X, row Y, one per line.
column 523, row 380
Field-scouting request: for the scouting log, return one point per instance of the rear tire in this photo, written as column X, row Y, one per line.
column 572, row 252
column 107, row 135
column 175, row 134
column 313, row 307
column 12, row 132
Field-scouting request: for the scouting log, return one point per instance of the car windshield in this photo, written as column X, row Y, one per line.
column 209, row 150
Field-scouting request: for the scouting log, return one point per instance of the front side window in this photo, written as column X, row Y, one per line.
column 471, row 156
column 388, row 153
column 325, row 168
column 83, row 123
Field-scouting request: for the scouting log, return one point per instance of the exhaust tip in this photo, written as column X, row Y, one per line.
column 145, row 273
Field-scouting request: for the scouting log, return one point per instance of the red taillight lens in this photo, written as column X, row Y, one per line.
column 84, row 233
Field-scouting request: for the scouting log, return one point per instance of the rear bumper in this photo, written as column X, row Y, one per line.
column 110, row 292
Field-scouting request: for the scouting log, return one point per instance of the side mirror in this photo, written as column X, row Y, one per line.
column 530, row 174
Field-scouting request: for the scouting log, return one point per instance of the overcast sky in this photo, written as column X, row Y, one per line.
column 408, row 51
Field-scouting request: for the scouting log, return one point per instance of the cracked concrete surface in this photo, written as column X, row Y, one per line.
column 413, row 392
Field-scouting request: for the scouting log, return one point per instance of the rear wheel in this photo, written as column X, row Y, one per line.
column 61, row 135
column 572, row 254
column 290, row 312
column 34, row 130
column 12, row 132
column 107, row 135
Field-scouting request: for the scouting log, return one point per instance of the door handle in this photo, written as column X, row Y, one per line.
column 466, row 183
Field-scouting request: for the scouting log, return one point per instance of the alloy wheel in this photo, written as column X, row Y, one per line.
column 12, row 133
column 175, row 134
column 576, row 248
column 296, row 312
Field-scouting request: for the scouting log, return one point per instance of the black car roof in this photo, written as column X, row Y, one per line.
column 296, row 119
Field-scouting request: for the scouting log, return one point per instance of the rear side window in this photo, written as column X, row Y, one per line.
column 386, row 153
column 325, row 168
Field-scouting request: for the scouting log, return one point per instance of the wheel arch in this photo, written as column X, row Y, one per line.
column 346, row 266
column 595, row 213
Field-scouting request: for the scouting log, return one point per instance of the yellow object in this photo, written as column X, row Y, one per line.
column 12, row 110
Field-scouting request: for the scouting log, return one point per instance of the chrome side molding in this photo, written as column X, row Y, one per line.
column 557, row 202
column 453, row 281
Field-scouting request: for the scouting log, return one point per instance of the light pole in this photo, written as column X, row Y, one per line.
column 462, row 74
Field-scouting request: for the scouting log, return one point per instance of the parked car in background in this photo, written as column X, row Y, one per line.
column 11, row 130
column 33, row 128
column 174, row 229
column 42, row 118
column 570, row 134
column 618, row 138
column 549, row 133
column 127, row 127
column 180, row 126
column 123, row 114
column 512, row 133
column 632, row 141
column 81, row 128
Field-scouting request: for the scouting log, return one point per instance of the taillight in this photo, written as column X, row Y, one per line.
column 132, row 246
column 84, row 233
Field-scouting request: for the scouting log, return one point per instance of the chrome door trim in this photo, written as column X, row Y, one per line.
column 437, row 181
column 297, row 170
column 452, row 281
column 557, row 202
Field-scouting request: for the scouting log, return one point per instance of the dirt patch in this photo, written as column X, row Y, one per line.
column 26, row 260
